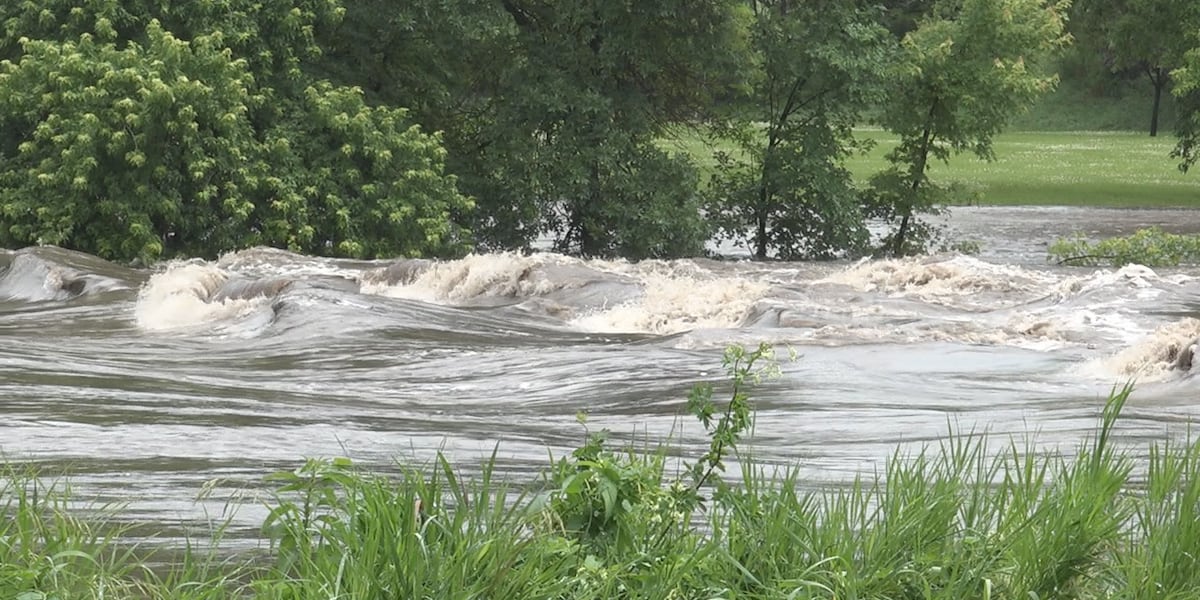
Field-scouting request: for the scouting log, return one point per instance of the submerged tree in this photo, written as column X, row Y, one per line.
column 551, row 112
column 968, row 69
column 448, row 63
column 594, row 85
column 820, row 64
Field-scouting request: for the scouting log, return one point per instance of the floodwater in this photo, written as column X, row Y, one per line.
column 153, row 385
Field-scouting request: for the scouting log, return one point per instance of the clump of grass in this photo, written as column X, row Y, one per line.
column 53, row 549
column 339, row 532
column 953, row 523
column 958, row 520
column 47, row 550
column 1160, row 558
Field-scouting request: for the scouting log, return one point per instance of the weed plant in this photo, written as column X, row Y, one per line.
column 962, row 519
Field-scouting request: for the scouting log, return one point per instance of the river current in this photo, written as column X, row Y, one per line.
column 151, row 385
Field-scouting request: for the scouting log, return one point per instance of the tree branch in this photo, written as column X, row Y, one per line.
column 1085, row 257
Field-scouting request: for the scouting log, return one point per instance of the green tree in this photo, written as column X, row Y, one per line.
column 551, row 111
column 820, row 64
column 273, row 37
column 121, row 136
column 1187, row 95
column 962, row 75
column 1145, row 36
column 356, row 181
column 595, row 84
column 115, row 152
column 449, row 62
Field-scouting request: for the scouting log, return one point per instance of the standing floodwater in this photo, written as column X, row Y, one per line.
column 147, row 384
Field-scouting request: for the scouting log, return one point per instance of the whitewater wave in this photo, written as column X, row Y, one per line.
column 657, row 297
column 1151, row 358
column 1029, row 332
column 261, row 263
column 480, row 278
column 940, row 279
column 933, row 299
column 1130, row 281
column 31, row 279
column 673, row 303
column 47, row 273
column 182, row 297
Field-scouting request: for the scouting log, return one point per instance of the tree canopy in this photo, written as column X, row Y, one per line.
column 963, row 74
column 1187, row 150
column 820, row 64
column 123, row 137
column 148, row 129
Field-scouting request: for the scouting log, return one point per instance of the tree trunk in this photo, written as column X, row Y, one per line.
column 760, row 239
column 898, row 243
column 589, row 244
column 763, row 210
column 1159, row 78
column 918, row 174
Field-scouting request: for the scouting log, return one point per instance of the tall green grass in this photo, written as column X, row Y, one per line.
column 47, row 550
column 966, row 518
column 52, row 548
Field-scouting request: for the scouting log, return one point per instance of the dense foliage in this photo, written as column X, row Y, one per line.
column 141, row 129
column 120, row 137
column 787, row 189
column 551, row 111
column 1188, row 93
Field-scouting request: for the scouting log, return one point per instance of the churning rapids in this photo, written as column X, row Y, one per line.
column 148, row 384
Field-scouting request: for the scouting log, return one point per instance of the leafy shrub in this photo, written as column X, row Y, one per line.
column 124, row 138
column 1151, row 247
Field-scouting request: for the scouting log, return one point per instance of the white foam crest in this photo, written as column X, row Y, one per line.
column 177, row 298
column 1141, row 278
column 1025, row 331
column 273, row 262
column 1153, row 357
column 958, row 276
column 505, row 275
column 1031, row 332
column 673, row 302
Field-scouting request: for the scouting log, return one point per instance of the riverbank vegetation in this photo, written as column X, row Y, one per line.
column 144, row 131
column 1150, row 247
column 967, row 518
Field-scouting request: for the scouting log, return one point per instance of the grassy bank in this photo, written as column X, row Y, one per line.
column 962, row 520
column 1118, row 105
column 1106, row 169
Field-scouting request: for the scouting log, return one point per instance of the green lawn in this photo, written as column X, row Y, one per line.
column 1059, row 168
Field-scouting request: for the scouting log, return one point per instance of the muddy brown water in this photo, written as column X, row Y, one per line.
column 149, row 385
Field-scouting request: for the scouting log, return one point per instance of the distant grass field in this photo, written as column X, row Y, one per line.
column 1044, row 168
